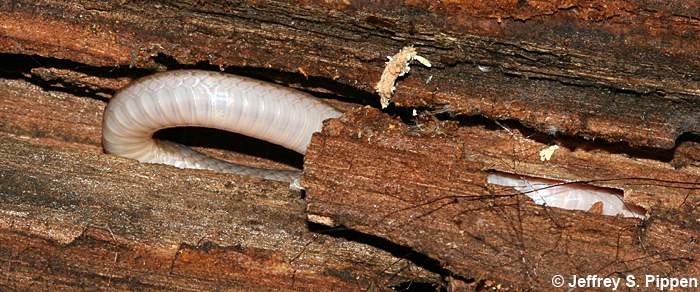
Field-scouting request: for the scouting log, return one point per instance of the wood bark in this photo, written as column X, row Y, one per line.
column 616, row 83
column 425, row 186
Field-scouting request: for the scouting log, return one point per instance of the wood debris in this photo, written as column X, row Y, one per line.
column 397, row 66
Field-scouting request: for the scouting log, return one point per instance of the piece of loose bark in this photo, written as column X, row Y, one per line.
column 424, row 186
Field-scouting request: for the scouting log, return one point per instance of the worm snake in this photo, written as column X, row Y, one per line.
column 181, row 98
column 572, row 196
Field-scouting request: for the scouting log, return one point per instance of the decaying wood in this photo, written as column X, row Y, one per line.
column 71, row 216
column 424, row 186
column 621, row 74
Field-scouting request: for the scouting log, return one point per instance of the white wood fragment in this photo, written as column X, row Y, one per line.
column 546, row 153
column 397, row 66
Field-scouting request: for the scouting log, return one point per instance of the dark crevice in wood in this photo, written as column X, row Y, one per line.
column 554, row 137
column 17, row 66
column 688, row 137
column 397, row 250
column 24, row 63
column 576, row 142
column 224, row 140
column 562, row 139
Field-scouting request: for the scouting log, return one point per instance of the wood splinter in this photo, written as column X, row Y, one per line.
column 397, row 66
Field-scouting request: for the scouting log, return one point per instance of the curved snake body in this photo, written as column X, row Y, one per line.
column 181, row 98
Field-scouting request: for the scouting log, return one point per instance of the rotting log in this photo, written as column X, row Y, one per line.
column 424, row 186
column 625, row 72
column 72, row 217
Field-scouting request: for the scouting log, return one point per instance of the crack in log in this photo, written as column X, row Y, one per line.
column 22, row 65
column 400, row 251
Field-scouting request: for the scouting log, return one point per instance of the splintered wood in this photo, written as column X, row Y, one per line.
column 397, row 66
column 427, row 189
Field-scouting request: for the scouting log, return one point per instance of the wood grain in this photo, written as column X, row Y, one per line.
column 424, row 186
